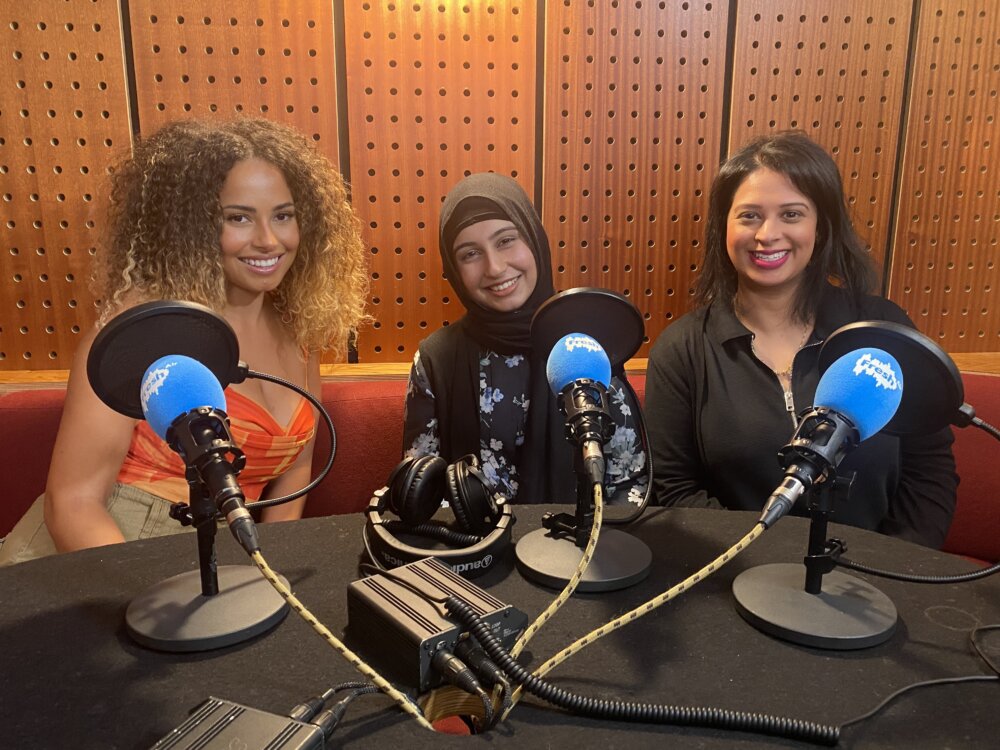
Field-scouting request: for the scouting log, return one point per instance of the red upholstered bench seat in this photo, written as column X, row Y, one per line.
column 368, row 418
column 28, row 424
column 367, row 415
column 975, row 530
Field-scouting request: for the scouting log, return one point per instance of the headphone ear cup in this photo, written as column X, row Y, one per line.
column 415, row 491
column 394, row 487
column 471, row 498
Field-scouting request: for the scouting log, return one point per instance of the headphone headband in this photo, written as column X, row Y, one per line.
column 471, row 562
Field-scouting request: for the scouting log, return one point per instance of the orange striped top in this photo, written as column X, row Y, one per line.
column 270, row 450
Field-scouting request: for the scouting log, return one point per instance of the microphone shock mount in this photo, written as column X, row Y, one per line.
column 584, row 402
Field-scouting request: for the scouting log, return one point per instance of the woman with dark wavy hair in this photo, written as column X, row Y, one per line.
column 783, row 269
column 247, row 218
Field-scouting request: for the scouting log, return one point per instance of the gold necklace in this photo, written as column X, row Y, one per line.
column 785, row 374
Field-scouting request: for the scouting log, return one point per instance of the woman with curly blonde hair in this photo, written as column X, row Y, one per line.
column 247, row 218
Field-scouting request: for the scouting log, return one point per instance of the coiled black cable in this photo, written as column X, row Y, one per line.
column 636, row 712
column 434, row 531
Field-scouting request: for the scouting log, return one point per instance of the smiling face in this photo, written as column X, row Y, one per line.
column 770, row 231
column 260, row 234
column 495, row 264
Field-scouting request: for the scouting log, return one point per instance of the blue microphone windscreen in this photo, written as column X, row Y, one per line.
column 865, row 386
column 576, row 356
column 174, row 385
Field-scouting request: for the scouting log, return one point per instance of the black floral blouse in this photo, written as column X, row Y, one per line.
column 503, row 412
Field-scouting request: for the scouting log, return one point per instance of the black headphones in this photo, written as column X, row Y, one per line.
column 414, row 492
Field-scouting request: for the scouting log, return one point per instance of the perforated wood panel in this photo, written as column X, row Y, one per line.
column 634, row 101
column 62, row 117
column 272, row 59
column 636, row 115
column 436, row 90
column 837, row 71
column 944, row 270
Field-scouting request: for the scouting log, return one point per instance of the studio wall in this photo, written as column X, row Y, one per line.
column 614, row 115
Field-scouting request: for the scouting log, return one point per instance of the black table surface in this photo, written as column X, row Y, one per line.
column 73, row 678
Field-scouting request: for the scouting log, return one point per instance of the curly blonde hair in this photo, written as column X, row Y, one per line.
column 165, row 221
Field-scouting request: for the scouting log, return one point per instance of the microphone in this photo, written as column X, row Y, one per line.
column 579, row 372
column 856, row 397
column 185, row 405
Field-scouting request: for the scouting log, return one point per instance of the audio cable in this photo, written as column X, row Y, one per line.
column 967, row 417
column 642, row 609
column 458, row 673
column 447, row 701
column 574, row 581
column 911, row 578
column 314, row 711
column 974, row 639
column 246, row 372
column 503, row 694
column 355, row 661
column 620, row 710
column 469, row 651
column 636, row 712
column 329, row 719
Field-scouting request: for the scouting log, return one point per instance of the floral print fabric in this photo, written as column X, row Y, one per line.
column 503, row 412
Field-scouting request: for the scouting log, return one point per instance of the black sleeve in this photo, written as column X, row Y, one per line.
column 672, row 425
column 924, row 503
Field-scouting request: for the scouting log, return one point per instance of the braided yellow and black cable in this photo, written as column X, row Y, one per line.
column 355, row 661
column 574, row 581
column 642, row 609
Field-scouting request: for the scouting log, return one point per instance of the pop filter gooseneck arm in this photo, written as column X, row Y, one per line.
column 644, row 442
column 933, row 398
column 246, row 372
column 968, row 416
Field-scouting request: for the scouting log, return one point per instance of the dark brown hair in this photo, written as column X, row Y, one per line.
column 839, row 255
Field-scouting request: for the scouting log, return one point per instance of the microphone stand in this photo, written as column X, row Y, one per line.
column 550, row 555
column 211, row 607
column 200, row 513
column 822, row 608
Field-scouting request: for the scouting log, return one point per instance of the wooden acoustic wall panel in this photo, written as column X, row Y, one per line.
column 436, row 90
column 63, row 116
column 272, row 59
column 947, row 244
column 633, row 116
column 837, row 71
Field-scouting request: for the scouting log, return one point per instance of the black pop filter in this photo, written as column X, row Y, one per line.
column 134, row 339
column 932, row 385
column 602, row 314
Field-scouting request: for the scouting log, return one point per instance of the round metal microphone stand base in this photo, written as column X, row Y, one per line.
column 620, row 560
column 174, row 615
column 847, row 614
